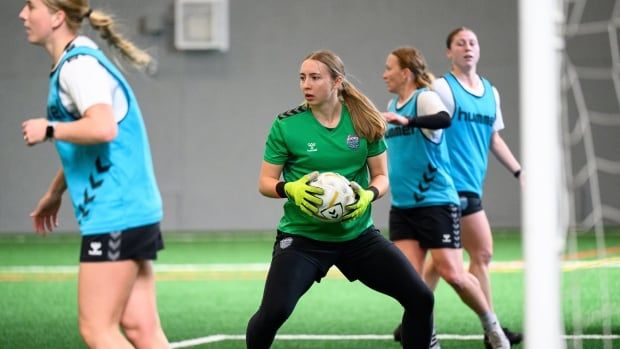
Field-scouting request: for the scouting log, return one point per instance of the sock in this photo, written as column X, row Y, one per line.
column 489, row 321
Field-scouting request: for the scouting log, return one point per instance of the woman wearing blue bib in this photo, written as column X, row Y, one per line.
column 424, row 216
column 96, row 125
column 473, row 104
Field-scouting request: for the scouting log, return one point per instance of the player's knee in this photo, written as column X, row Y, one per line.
column 453, row 277
column 420, row 300
column 88, row 334
column 275, row 314
column 426, row 301
column 279, row 314
column 141, row 332
column 91, row 334
column 482, row 257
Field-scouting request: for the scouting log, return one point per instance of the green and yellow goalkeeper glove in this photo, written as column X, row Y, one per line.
column 365, row 197
column 302, row 193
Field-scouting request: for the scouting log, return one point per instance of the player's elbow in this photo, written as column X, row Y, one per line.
column 263, row 187
column 108, row 134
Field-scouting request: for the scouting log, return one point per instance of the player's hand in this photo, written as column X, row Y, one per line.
column 302, row 193
column 45, row 215
column 393, row 118
column 358, row 208
column 34, row 130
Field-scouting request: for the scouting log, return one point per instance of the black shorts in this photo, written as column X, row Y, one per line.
column 470, row 203
column 346, row 255
column 431, row 226
column 140, row 243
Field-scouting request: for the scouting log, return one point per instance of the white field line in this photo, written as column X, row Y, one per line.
column 500, row 266
column 362, row 337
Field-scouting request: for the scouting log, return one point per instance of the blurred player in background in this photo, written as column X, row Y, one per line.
column 339, row 130
column 477, row 119
column 97, row 128
column 425, row 214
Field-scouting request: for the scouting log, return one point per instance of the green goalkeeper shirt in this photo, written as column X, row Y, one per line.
column 301, row 144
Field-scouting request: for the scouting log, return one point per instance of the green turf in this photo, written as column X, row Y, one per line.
column 40, row 311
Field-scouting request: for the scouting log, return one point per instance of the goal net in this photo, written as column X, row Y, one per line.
column 590, row 90
column 570, row 144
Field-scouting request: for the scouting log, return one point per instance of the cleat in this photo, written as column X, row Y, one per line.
column 496, row 339
column 434, row 341
column 513, row 337
column 397, row 332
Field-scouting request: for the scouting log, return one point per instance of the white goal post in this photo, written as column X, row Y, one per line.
column 540, row 44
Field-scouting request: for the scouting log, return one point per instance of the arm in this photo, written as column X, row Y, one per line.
column 89, row 91
column 431, row 114
column 377, row 166
column 268, row 179
column 97, row 125
column 503, row 154
column 58, row 185
column 435, row 121
column 45, row 214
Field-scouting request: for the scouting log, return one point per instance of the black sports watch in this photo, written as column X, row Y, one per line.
column 49, row 131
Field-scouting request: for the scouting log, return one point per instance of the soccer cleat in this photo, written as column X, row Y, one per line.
column 513, row 337
column 434, row 341
column 397, row 332
column 496, row 339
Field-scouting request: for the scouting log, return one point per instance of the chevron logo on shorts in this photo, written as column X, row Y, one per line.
column 114, row 246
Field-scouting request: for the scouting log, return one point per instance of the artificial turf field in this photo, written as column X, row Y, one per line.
column 210, row 284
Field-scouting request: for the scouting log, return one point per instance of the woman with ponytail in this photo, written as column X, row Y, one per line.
column 95, row 122
column 424, row 216
column 337, row 129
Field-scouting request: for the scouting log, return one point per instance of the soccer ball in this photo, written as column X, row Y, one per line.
column 337, row 194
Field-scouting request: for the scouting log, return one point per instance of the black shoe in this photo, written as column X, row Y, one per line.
column 513, row 337
column 397, row 332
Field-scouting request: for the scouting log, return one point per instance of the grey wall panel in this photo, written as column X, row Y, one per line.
column 208, row 112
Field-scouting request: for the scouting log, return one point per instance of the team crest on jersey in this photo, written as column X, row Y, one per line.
column 353, row 142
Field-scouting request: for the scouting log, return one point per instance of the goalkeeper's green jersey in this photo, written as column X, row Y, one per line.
column 301, row 144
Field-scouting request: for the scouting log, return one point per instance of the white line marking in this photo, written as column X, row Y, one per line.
column 327, row 337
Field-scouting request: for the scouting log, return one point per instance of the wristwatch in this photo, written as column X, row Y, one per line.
column 49, row 131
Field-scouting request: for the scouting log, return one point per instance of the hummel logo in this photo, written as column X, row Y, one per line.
column 446, row 238
column 286, row 242
column 312, row 146
column 95, row 249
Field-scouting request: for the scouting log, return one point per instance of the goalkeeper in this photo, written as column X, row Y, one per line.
column 338, row 129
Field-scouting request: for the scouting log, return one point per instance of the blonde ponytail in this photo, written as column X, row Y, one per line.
column 412, row 59
column 366, row 118
column 104, row 24
column 78, row 10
